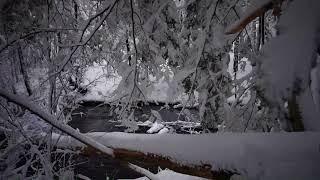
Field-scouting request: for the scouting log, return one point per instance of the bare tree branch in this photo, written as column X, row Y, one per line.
column 49, row 118
column 32, row 33
column 242, row 23
column 76, row 46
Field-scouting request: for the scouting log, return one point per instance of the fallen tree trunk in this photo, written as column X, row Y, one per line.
column 140, row 158
column 277, row 155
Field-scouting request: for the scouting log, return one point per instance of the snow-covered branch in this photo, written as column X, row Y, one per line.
column 80, row 43
column 143, row 171
column 27, row 35
column 26, row 103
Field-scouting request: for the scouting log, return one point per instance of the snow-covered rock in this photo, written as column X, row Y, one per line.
column 163, row 130
column 155, row 127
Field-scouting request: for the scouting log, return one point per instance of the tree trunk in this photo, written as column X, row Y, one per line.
column 262, row 18
column 295, row 114
column 24, row 72
column 128, row 51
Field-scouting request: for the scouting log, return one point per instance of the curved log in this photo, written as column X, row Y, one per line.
column 242, row 23
column 141, row 159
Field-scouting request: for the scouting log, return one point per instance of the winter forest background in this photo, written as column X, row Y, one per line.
column 218, row 89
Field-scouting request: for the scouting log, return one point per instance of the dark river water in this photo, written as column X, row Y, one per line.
column 96, row 117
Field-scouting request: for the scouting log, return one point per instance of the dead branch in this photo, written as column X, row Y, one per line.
column 143, row 171
column 242, row 23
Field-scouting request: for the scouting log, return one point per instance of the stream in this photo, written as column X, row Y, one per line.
column 96, row 117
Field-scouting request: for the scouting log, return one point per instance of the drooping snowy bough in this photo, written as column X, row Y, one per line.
column 52, row 120
column 290, row 62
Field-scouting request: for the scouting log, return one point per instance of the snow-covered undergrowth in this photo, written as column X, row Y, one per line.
column 102, row 85
column 255, row 155
column 288, row 60
column 245, row 68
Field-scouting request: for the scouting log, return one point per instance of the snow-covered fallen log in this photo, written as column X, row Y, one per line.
column 256, row 155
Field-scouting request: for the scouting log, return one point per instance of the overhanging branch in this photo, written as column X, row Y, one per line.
column 242, row 23
column 52, row 120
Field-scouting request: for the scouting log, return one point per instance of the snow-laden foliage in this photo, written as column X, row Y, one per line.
column 288, row 61
column 246, row 65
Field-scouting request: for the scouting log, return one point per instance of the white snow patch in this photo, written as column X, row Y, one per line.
column 155, row 127
column 102, row 85
column 170, row 175
column 146, row 123
column 163, row 130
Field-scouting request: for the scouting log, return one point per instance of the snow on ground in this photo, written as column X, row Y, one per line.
column 167, row 127
column 146, row 123
column 163, row 130
column 170, row 175
column 244, row 69
column 100, row 83
column 155, row 127
column 256, row 155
